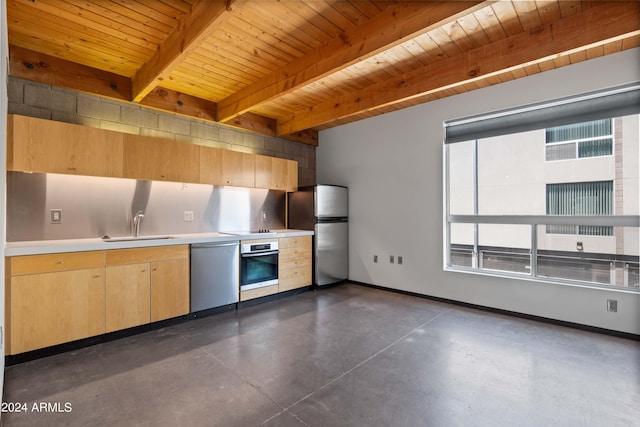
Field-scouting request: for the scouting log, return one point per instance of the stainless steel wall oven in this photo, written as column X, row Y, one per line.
column 258, row 264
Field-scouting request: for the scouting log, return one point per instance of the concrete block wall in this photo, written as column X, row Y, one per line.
column 49, row 102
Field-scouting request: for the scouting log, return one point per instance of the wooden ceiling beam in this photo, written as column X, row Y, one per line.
column 391, row 27
column 205, row 17
column 596, row 26
column 180, row 103
column 46, row 69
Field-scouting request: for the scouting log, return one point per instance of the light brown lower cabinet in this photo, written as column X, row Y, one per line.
column 128, row 296
column 57, row 298
column 53, row 299
column 294, row 263
column 169, row 288
column 149, row 284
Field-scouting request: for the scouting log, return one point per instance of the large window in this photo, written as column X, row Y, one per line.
column 513, row 209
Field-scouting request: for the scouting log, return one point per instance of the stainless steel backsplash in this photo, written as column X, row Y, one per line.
column 95, row 206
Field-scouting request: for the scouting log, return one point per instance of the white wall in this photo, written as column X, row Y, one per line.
column 4, row 53
column 393, row 167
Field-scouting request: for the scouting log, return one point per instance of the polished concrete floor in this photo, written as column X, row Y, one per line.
column 346, row 356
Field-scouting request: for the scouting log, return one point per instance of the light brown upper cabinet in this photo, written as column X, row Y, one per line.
column 238, row 169
column 211, row 166
column 38, row 145
column 225, row 167
column 158, row 159
column 276, row 174
column 292, row 175
column 271, row 172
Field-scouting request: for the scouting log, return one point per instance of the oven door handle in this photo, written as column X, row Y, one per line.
column 255, row 254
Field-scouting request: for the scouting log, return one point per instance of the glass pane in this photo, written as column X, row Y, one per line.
column 579, row 131
column 461, row 176
column 511, row 174
column 580, row 198
column 598, row 147
column 560, row 151
column 607, row 260
column 576, row 267
column 504, row 247
column 461, row 255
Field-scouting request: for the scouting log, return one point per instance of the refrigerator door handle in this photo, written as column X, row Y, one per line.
column 326, row 220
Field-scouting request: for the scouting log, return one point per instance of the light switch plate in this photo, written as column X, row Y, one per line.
column 188, row 215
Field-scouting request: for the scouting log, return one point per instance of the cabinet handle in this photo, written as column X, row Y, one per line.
column 60, row 262
column 71, row 169
column 154, row 269
column 95, row 277
column 143, row 271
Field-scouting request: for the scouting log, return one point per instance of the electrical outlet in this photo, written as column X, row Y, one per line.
column 188, row 215
column 375, row 258
column 612, row 305
column 399, row 260
column 391, row 259
column 55, row 216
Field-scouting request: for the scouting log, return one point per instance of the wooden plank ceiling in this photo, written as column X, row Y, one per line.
column 290, row 68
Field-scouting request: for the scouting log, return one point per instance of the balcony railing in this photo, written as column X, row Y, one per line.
column 594, row 269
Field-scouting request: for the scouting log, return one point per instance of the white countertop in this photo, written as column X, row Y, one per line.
column 97, row 244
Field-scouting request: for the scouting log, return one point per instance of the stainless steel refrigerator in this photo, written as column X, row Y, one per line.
column 324, row 209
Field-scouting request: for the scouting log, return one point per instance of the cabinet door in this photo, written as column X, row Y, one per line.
column 37, row 145
column 292, row 175
column 271, row 172
column 211, row 171
column 169, row 289
column 127, row 296
column 238, row 169
column 54, row 308
column 161, row 160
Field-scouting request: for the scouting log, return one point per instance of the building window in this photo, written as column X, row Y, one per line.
column 580, row 198
column 512, row 211
column 587, row 139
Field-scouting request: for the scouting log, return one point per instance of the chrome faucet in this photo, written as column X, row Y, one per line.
column 136, row 224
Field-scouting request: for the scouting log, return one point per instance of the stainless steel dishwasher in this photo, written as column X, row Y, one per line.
column 215, row 275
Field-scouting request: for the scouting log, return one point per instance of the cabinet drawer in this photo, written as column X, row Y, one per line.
column 294, row 278
column 50, row 263
column 287, row 263
column 138, row 255
column 298, row 252
column 295, row 242
column 257, row 293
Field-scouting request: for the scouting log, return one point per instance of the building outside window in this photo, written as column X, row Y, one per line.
column 555, row 203
column 580, row 198
column 588, row 139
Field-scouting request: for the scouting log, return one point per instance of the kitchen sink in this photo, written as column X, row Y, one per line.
column 108, row 239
